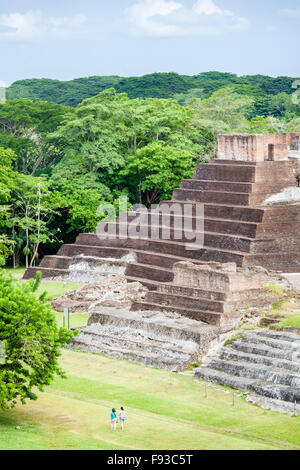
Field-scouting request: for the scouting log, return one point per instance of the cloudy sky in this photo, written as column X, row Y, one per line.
column 65, row 39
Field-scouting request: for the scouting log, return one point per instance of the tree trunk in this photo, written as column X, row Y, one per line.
column 16, row 259
column 38, row 225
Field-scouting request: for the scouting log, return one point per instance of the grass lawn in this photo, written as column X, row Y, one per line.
column 17, row 272
column 54, row 289
column 164, row 410
column 76, row 319
column 292, row 321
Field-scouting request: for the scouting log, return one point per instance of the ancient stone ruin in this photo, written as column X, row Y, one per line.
column 157, row 339
column 243, row 210
column 258, row 147
column 240, row 223
column 210, row 292
column 262, row 361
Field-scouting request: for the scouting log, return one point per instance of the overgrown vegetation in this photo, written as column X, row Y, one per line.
column 234, row 338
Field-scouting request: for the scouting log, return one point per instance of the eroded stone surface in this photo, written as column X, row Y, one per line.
column 262, row 361
column 156, row 339
column 113, row 291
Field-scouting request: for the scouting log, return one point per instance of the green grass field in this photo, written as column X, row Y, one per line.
column 54, row 289
column 292, row 321
column 164, row 410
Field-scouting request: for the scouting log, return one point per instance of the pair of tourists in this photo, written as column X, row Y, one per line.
column 114, row 419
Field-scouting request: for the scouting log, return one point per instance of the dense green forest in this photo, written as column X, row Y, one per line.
column 67, row 147
column 156, row 85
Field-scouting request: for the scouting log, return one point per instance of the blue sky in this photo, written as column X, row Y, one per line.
column 65, row 39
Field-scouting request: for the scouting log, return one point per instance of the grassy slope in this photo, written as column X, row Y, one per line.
column 292, row 321
column 165, row 411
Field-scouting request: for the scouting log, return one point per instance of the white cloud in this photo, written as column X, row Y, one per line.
column 207, row 7
column 290, row 12
column 33, row 24
column 164, row 18
column 140, row 16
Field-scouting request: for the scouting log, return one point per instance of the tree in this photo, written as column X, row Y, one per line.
column 7, row 185
column 110, row 128
column 184, row 99
column 32, row 341
column 224, row 111
column 261, row 125
column 157, row 169
column 24, row 126
column 31, row 212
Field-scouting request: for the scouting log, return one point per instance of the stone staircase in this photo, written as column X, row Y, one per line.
column 236, row 226
column 161, row 340
column 263, row 361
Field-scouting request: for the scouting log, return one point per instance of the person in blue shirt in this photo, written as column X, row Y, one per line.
column 113, row 419
column 122, row 417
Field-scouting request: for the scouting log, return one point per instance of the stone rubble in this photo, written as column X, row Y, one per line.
column 113, row 291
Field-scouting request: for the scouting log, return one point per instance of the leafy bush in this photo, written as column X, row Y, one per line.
column 32, row 340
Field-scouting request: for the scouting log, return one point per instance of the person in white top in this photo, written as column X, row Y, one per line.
column 122, row 417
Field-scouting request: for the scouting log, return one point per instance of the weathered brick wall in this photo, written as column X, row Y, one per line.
column 293, row 140
column 241, row 147
column 254, row 147
column 221, row 277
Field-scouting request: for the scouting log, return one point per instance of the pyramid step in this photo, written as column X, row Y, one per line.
column 216, row 211
column 225, row 172
column 214, row 185
column 233, row 187
column 256, row 371
column 149, row 272
column 264, row 350
column 209, row 224
column 216, row 240
column 57, row 262
column 163, row 246
column 166, row 300
column 261, row 172
column 160, row 260
column 147, row 359
column 150, row 284
column 157, row 324
column 71, row 250
column 288, row 262
column 273, row 343
column 267, row 389
column 219, row 197
column 30, row 273
column 280, row 335
column 231, row 354
column 192, row 292
column 212, row 318
column 137, row 340
column 222, row 256
column 220, row 161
